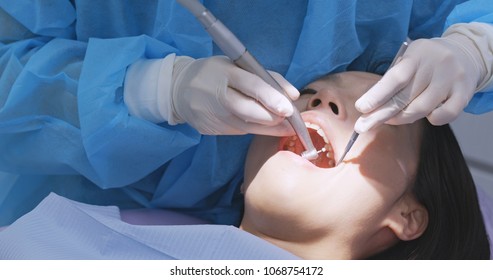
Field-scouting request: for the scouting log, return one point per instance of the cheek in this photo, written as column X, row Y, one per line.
column 389, row 158
column 350, row 193
column 384, row 168
column 388, row 175
column 354, row 201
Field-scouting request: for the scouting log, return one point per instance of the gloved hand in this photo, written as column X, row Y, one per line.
column 211, row 94
column 436, row 78
column 216, row 97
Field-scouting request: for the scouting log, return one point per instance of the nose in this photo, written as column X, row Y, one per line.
column 328, row 103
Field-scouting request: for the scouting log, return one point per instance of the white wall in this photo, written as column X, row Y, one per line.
column 475, row 136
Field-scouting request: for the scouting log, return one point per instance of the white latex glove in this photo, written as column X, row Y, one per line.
column 436, row 78
column 216, row 97
column 211, row 94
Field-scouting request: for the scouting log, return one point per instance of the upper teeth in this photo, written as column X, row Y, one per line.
column 319, row 131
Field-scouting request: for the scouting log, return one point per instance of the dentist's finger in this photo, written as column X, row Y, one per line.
column 289, row 89
column 254, row 87
column 242, row 127
column 249, row 110
column 397, row 78
column 369, row 121
column 451, row 108
column 427, row 96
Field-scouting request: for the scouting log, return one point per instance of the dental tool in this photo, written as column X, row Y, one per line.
column 349, row 145
column 355, row 134
column 237, row 52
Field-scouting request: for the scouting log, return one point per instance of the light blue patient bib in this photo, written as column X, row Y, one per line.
column 59, row 228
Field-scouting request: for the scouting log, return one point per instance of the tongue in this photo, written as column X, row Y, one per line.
column 294, row 145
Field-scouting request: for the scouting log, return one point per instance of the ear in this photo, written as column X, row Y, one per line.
column 408, row 219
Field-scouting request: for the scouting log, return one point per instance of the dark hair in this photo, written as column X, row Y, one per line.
column 444, row 185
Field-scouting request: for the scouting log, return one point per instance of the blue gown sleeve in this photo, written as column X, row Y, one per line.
column 61, row 100
column 474, row 11
column 65, row 128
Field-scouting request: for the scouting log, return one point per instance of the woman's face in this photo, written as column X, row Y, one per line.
column 291, row 200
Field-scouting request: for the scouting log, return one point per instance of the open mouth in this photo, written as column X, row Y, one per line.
column 325, row 159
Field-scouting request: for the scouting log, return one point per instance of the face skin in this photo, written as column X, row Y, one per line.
column 351, row 211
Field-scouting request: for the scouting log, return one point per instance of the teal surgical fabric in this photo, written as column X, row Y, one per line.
column 64, row 127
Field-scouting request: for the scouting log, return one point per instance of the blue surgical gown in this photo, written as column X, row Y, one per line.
column 64, row 127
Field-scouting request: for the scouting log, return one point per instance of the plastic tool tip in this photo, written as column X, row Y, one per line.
column 310, row 155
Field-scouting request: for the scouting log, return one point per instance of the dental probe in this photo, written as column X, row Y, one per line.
column 355, row 134
column 237, row 52
column 349, row 145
